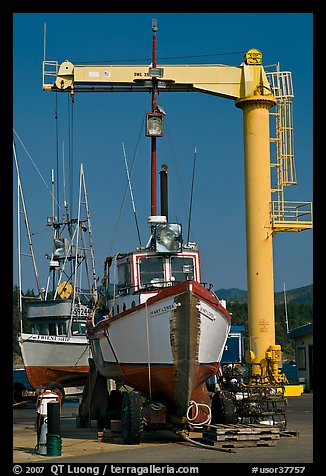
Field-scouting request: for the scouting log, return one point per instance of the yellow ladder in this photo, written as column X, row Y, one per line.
column 285, row 215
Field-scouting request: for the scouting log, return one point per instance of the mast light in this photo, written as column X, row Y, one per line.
column 154, row 124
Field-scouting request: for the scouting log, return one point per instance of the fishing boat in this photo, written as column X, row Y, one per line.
column 56, row 351
column 158, row 329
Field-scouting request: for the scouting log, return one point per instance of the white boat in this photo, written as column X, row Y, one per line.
column 50, row 353
column 56, row 351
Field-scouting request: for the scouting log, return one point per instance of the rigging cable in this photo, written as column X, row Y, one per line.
column 176, row 167
column 38, row 171
column 191, row 194
column 21, row 200
column 131, row 194
column 126, row 189
column 164, row 58
column 71, row 150
column 148, row 354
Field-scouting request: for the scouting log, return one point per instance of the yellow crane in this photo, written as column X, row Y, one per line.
column 255, row 92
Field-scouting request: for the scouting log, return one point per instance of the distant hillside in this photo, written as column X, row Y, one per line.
column 303, row 295
column 232, row 294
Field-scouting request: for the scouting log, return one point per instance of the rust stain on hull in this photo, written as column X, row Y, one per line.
column 184, row 336
column 67, row 376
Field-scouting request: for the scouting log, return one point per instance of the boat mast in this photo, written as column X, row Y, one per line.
column 153, row 138
column 85, row 247
column 154, row 127
column 286, row 310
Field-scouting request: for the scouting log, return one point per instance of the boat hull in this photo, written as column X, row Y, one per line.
column 167, row 347
column 55, row 359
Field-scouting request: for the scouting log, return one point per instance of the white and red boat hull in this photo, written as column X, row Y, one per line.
column 167, row 347
column 55, row 359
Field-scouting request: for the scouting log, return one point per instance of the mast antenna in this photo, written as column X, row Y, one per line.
column 44, row 42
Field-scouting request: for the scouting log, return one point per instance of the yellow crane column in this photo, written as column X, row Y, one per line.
column 260, row 274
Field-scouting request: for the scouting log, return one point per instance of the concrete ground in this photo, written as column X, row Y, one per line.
column 80, row 445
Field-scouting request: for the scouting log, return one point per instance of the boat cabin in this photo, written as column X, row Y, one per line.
column 53, row 318
column 141, row 274
column 145, row 270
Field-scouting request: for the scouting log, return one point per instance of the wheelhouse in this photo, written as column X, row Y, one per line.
column 140, row 274
column 53, row 318
column 145, row 270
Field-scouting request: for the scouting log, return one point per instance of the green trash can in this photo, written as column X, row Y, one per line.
column 53, row 444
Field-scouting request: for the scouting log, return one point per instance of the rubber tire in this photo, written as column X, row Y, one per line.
column 223, row 408
column 56, row 388
column 115, row 405
column 132, row 418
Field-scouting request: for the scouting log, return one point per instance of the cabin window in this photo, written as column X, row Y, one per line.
column 52, row 329
column 62, row 330
column 124, row 275
column 43, row 331
column 182, row 268
column 151, row 272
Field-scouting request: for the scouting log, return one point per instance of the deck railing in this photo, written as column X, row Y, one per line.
column 291, row 216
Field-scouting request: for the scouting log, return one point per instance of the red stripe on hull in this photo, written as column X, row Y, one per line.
column 162, row 380
column 68, row 376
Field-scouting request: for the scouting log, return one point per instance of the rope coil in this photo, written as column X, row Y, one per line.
column 197, row 406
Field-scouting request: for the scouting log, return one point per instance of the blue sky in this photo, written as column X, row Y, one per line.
column 212, row 125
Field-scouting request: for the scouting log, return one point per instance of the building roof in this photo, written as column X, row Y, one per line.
column 301, row 330
column 237, row 328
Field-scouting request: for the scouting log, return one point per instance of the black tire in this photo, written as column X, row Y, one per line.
column 56, row 388
column 223, row 408
column 115, row 405
column 132, row 418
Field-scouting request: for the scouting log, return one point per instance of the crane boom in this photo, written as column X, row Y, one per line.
column 231, row 82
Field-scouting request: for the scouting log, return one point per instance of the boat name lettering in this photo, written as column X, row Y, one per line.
column 82, row 311
column 56, row 338
column 207, row 312
column 160, row 310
